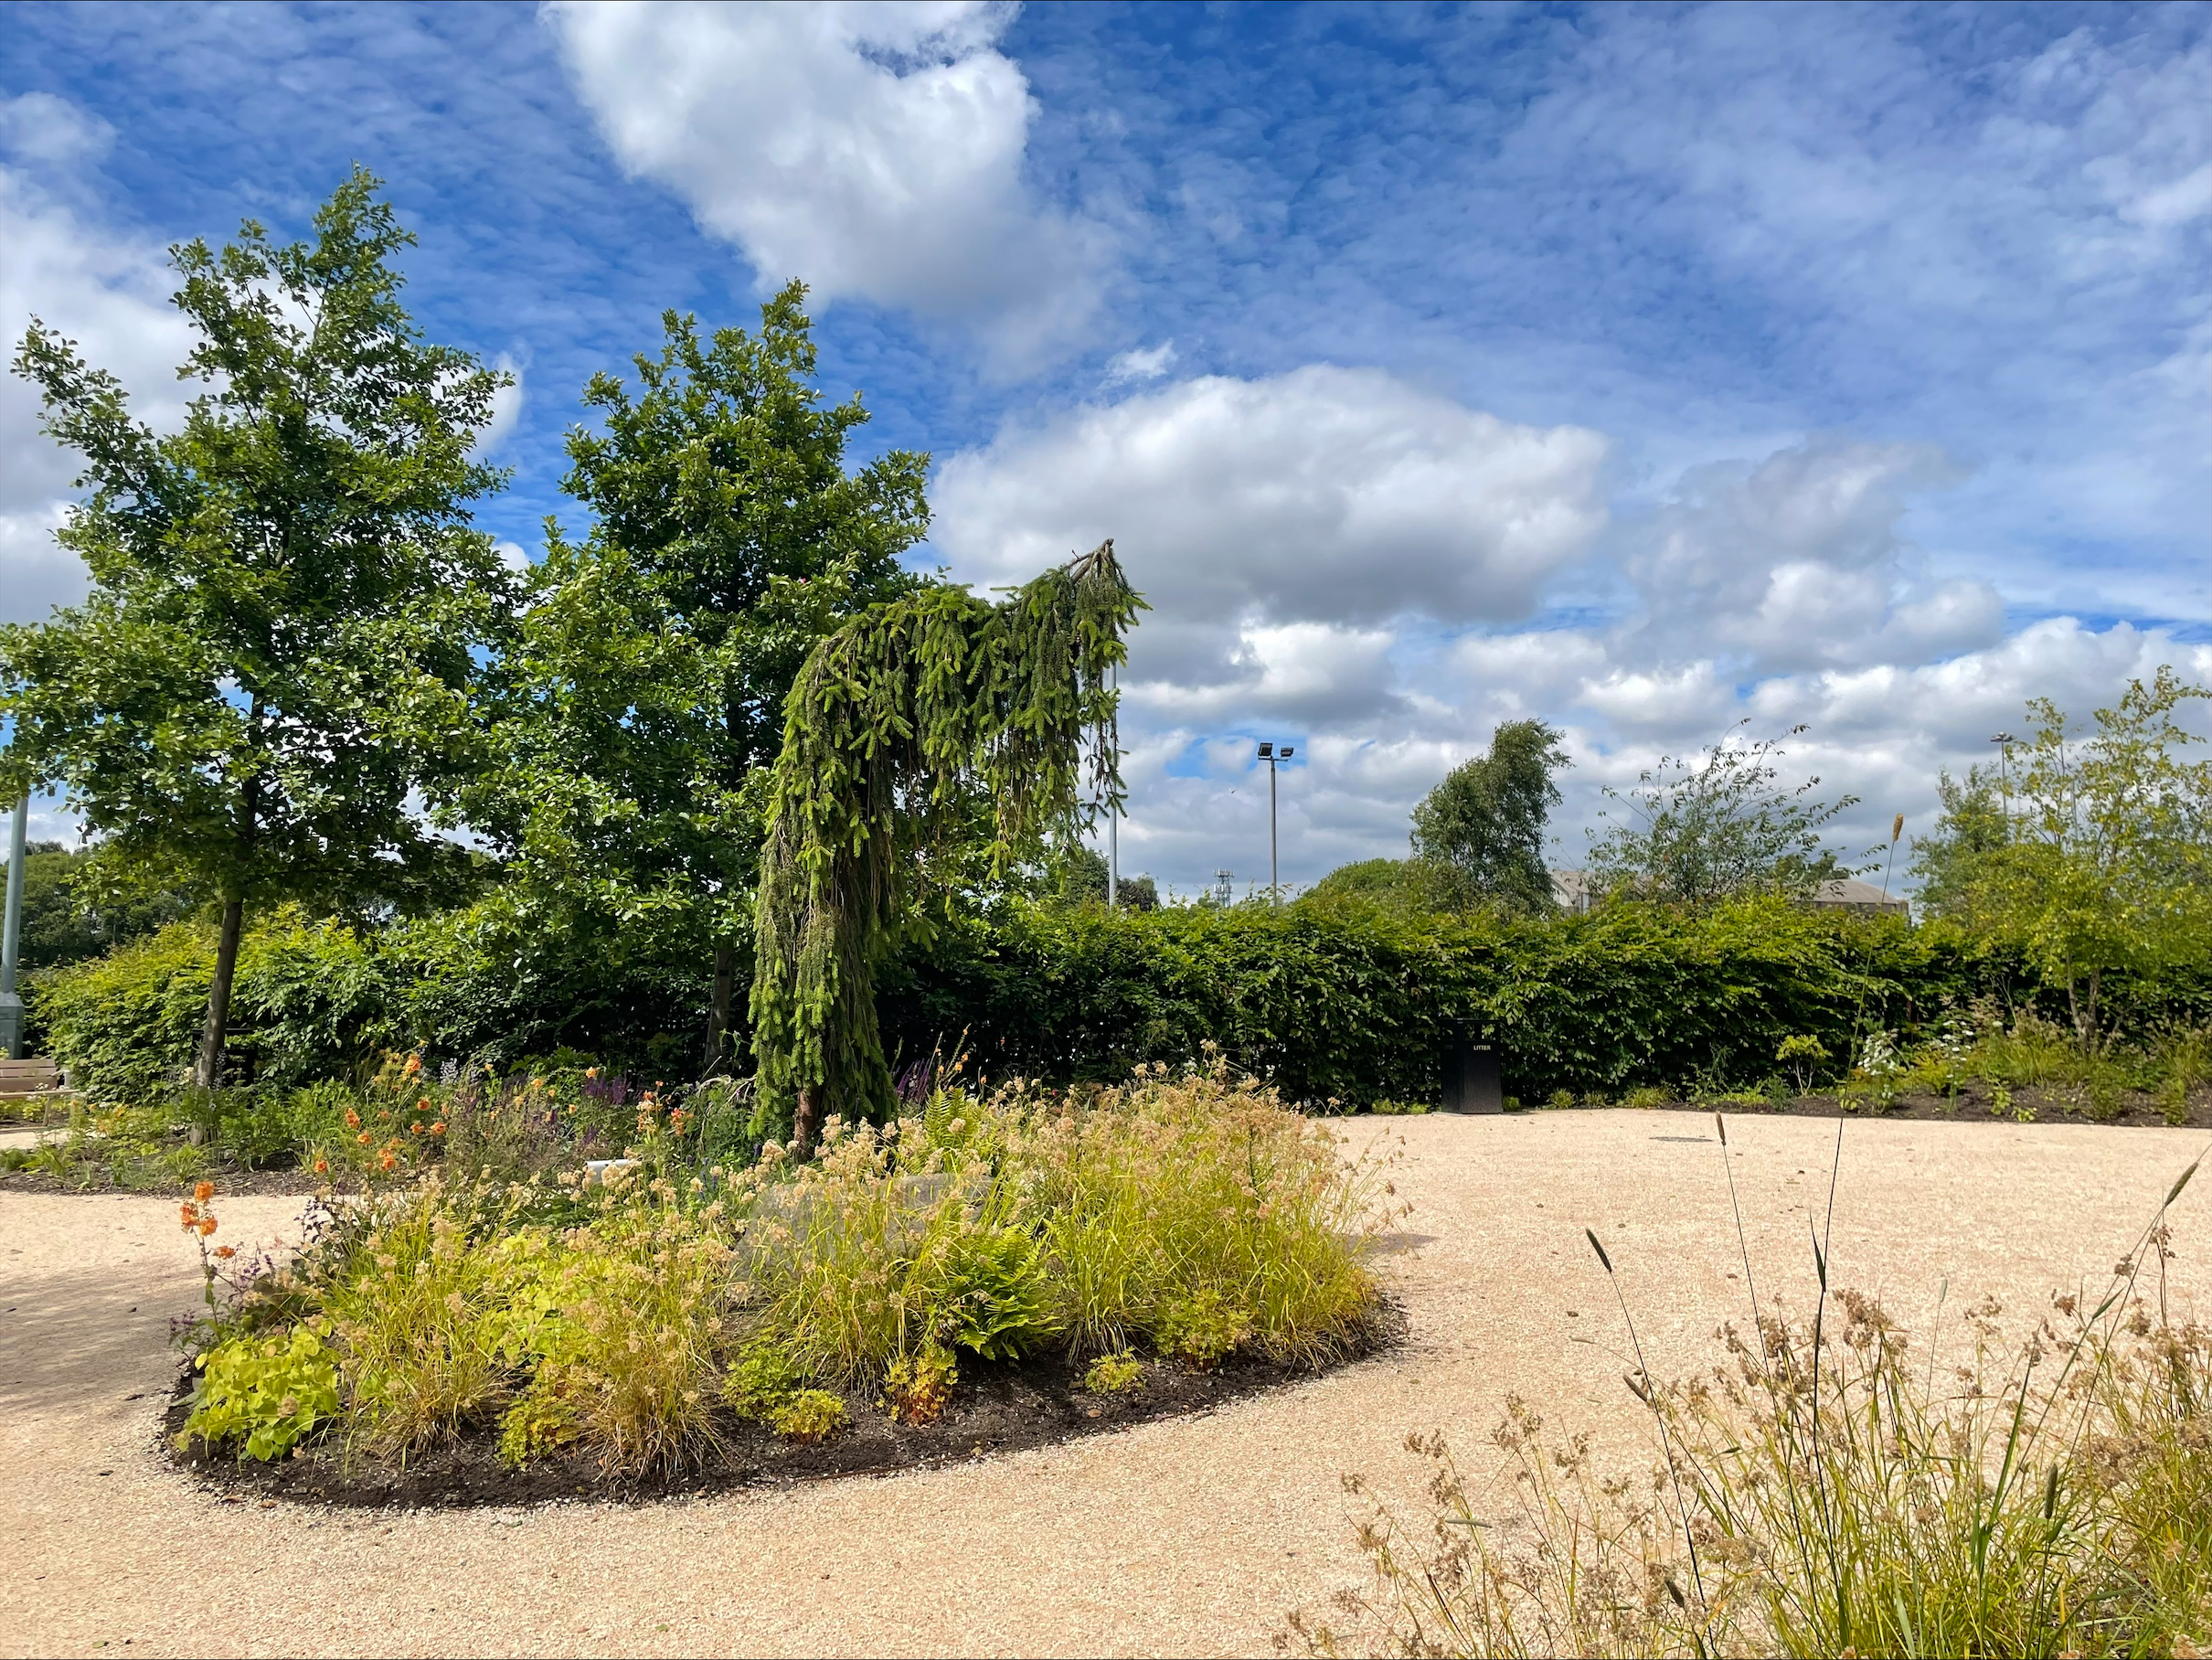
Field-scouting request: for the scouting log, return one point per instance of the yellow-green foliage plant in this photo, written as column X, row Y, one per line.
column 264, row 1392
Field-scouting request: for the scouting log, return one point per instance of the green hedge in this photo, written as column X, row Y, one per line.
column 1339, row 1000
column 1354, row 1003
column 308, row 999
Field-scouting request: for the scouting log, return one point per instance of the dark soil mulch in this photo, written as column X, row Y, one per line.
column 999, row 1407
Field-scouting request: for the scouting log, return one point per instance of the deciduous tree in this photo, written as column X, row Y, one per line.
column 1484, row 823
column 646, row 696
column 273, row 672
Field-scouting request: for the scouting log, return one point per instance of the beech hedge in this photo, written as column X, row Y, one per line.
column 1351, row 1004
column 1334, row 1000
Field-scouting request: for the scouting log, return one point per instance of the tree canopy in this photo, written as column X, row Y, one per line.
column 2101, row 857
column 279, row 648
column 1715, row 827
column 644, row 699
column 1484, row 823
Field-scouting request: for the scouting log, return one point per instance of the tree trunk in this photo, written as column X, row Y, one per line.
column 209, row 1074
column 807, row 1121
column 725, row 997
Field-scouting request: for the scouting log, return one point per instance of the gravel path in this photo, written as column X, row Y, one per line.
column 1192, row 1536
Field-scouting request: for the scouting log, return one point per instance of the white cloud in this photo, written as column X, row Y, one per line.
column 507, row 408
column 107, row 292
column 38, row 127
column 874, row 150
column 1343, row 562
column 1149, row 364
column 1321, row 495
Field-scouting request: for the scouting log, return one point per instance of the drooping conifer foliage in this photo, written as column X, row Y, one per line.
column 896, row 723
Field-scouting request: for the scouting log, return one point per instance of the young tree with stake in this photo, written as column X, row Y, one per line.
column 277, row 653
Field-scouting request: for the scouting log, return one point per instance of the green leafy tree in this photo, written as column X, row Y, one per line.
column 1485, row 821
column 1715, row 827
column 2105, row 862
column 287, row 594
column 1413, row 885
column 894, row 724
column 70, row 913
column 645, row 696
column 1972, row 824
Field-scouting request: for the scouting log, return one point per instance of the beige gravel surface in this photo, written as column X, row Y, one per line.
column 1187, row 1538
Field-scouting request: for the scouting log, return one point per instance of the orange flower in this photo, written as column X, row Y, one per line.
column 353, row 1119
column 206, row 1226
column 364, row 1138
column 190, row 1213
column 424, row 1105
column 226, row 1252
column 387, row 1163
column 414, row 1129
column 321, row 1166
column 414, row 1065
column 203, row 1191
column 591, row 1071
column 437, row 1128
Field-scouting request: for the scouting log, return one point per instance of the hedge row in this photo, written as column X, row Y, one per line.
column 1354, row 1004
column 1332, row 1001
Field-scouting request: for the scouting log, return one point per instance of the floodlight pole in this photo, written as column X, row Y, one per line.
column 1114, row 823
column 11, row 937
column 1274, row 884
column 2005, row 741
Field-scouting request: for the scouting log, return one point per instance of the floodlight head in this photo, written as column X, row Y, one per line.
column 1266, row 750
column 2005, row 738
column 1288, row 751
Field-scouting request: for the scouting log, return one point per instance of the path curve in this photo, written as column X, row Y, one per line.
column 1191, row 1537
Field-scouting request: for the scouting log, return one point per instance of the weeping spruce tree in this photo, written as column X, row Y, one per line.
column 896, row 723
column 279, row 647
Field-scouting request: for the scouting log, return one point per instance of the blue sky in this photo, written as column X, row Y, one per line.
column 1647, row 369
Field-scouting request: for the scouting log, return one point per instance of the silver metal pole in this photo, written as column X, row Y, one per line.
column 1275, row 884
column 11, row 937
column 1113, row 831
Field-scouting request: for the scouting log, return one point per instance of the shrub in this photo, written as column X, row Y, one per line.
column 1114, row 1373
column 309, row 1002
column 266, row 1393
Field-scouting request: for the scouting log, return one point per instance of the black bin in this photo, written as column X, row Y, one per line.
column 1471, row 1077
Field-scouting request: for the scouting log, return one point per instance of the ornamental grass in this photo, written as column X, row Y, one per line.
column 641, row 1310
column 1838, row 1485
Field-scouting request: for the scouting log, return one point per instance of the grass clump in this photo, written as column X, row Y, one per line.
column 1829, row 1489
column 639, row 1316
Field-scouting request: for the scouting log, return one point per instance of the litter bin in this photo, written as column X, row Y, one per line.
column 1471, row 1077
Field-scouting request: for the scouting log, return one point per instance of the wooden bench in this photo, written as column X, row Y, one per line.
column 31, row 1077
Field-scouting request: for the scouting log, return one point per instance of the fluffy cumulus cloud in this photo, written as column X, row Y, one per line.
column 106, row 292
column 874, row 150
column 1334, row 496
column 1380, row 575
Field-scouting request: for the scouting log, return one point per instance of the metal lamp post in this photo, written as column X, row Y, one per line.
column 1269, row 753
column 11, row 937
column 1113, row 829
column 2005, row 741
